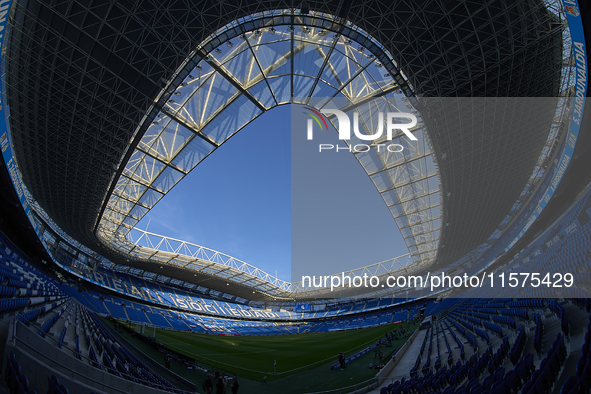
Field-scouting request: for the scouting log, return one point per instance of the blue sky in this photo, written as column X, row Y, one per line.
column 239, row 201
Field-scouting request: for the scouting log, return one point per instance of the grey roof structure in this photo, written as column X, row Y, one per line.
column 112, row 103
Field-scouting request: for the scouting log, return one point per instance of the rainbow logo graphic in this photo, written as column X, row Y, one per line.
column 318, row 117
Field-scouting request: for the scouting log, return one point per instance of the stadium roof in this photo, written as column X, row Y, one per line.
column 244, row 77
column 95, row 95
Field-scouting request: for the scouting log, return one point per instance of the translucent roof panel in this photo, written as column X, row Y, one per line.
column 244, row 75
column 237, row 80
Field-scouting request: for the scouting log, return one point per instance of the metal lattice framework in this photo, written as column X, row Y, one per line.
column 234, row 84
column 166, row 250
column 250, row 74
column 86, row 83
column 146, row 245
column 395, row 265
column 409, row 184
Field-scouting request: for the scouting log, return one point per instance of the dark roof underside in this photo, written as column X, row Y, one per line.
column 81, row 79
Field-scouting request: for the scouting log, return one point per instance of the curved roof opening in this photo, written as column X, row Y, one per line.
column 314, row 62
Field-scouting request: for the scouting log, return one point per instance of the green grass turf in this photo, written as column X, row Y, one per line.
column 253, row 356
column 303, row 360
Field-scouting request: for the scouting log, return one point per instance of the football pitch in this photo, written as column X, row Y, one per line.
column 292, row 364
column 295, row 363
column 273, row 356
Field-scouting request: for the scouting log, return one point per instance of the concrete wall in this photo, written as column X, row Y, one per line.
column 382, row 375
column 389, row 367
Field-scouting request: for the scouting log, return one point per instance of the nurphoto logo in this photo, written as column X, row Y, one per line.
column 344, row 129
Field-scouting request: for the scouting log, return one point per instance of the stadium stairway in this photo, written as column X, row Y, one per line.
column 406, row 363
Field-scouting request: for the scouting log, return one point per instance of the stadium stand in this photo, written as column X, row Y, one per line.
column 514, row 344
column 68, row 325
column 98, row 125
column 519, row 345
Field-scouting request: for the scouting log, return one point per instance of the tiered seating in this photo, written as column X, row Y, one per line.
column 32, row 315
column 22, row 285
column 563, row 248
column 538, row 336
column 54, row 386
column 186, row 321
column 438, row 360
column 193, row 301
column 543, row 379
column 466, row 334
column 499, row 357
column 101, row 348
column 49, row 323
column 15, row 379
column 115, row 308
column 8, row 305
column 458, row 341
column 60, row 341
column 427, row 365
column 468, row 371
column 518, row 345
column 504, row 320
column 483, row 334
column 580, row 382
column 485, row 371
column 514, row 312
column 561, row 313
column 493, row 327
column 476, row 320
column 117, row 359
column 31, row 292
column 526, row 303
column 450, row 358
